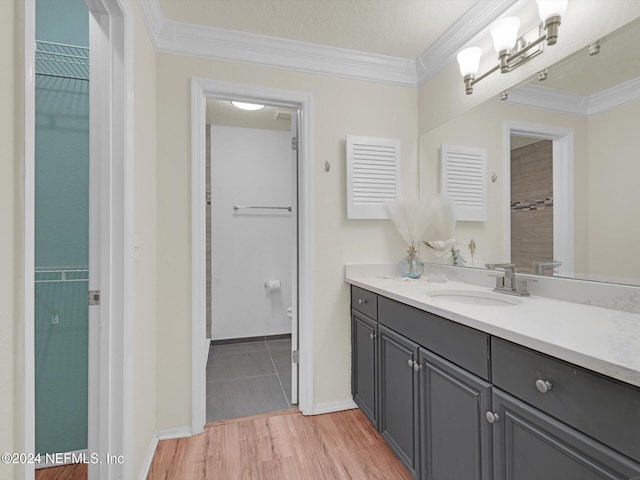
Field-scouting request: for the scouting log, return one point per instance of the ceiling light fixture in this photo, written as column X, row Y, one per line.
column 512, row 50
column 247, row 106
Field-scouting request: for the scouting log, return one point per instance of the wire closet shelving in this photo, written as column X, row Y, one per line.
column 61, row 60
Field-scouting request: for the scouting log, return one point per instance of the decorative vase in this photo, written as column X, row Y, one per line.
column 411, row 266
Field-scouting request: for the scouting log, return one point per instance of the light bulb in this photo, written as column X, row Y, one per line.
column 551, row 8
column 469, row 61
column 505, row 33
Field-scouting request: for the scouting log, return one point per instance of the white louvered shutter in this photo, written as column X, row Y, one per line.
column 373, row 176
column 464, row 181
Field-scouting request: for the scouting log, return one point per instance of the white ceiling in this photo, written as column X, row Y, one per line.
column 401, row 28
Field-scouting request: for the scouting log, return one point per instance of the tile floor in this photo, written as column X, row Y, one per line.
column 248, row 378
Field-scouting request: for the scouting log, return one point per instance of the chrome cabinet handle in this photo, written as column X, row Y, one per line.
column 361, row 301
column 544, row 386
column 410, row 362
column 492, row 417
column 372, row 336
column 417, row 367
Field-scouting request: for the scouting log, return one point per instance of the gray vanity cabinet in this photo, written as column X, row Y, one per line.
column 456, row 403
column 398, row 379
column 530, row 445
column 455, row 438
column 364, row 381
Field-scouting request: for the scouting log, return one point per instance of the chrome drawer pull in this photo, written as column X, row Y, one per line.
column 544, row 386
column 361, row 301
column 372, row 336
column 492, row 417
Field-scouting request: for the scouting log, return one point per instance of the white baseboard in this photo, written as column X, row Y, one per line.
column 179, row 432
column 330, row 407
column 146, row 466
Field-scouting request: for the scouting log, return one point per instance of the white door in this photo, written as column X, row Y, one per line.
column 294, row 270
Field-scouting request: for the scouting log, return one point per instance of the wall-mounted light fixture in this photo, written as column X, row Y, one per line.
column 512, row 50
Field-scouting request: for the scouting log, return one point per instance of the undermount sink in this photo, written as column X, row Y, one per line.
column 474, row 297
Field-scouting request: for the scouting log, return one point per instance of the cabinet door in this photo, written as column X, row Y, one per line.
column 455, row 437
column 399, row 396
column 530, row 445
column 363, row 362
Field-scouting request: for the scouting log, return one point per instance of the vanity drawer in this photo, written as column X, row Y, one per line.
column 365, row 302
column 603, row 408
column 464, row 346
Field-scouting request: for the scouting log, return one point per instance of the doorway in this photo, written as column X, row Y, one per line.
column 251, row 259
column 62, row 204
column 562, row 188
column 109, row 214
column 201, row 90
column 532, row 205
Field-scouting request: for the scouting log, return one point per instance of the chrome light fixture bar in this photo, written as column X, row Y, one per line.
column 512, row 50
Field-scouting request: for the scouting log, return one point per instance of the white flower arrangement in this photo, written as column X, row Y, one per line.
column 426, row 217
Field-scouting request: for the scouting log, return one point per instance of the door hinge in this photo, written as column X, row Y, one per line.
column 294, row 143
column 295, row 356
column 94, row 297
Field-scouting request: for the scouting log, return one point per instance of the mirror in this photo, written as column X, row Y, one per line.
column 587, row 110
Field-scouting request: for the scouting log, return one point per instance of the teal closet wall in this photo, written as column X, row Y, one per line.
column 61, row 242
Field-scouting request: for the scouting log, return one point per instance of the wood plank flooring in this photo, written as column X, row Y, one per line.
column 280, row 446
column 77, row 471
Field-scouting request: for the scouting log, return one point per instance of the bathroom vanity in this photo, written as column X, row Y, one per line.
column 539, row 389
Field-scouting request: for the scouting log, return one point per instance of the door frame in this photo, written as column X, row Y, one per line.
column 201, row 89
column 563, row 187
column 111, row 118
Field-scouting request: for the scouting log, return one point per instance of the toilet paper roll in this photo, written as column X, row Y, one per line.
column 272, row 285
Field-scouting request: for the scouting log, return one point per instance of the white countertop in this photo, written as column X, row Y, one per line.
column 599, row 339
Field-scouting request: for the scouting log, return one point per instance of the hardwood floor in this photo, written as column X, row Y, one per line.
column 77, row 471
column 280, row 446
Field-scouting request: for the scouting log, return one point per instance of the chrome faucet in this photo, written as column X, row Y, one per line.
column 508, row 283
column 540, row 267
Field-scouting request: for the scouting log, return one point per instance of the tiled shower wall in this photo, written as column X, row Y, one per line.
column 532, row 204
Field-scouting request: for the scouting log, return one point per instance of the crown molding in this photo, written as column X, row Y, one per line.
column 614, row 97
column 572, row 103
column 181, row 38
column 468, row 28
column 153, row 18
column 546, row 98
column 231, row 46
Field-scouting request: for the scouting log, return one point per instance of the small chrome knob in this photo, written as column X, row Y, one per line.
column 492, row 417
column 361, row 301
column 417, row 367
column 410, row 362
column 544, row 386
column 372, row 336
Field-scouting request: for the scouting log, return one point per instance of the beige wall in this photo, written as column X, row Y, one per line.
column 340, row 107
column 10, row 226
column 614, row 194
column 483, row 127
column 143, row 428
column 443, row 97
